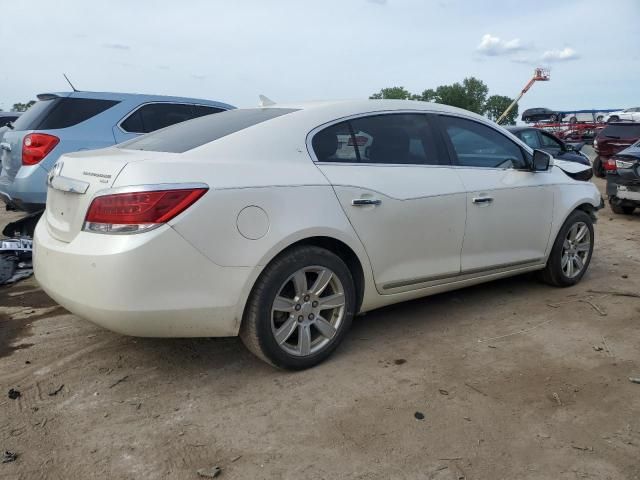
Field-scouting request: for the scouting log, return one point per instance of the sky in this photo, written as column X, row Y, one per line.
column 292, row 51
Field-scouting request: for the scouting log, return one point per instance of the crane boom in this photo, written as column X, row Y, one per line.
column 539, row 75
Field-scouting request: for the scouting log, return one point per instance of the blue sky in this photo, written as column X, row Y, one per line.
column 293, row 50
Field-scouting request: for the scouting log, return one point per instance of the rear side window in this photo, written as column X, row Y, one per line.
column 154, row 116
column 199, row 131
column 477, row 145
column 405, row 139
column 530, row 137
column 626, row 130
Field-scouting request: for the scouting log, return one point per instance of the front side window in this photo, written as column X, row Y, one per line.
column 154, row 116
column 402, row 138
column 478, row 145
column 550, row 142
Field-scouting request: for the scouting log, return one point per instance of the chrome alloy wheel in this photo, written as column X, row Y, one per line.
column 308, row 311
column 576, row 249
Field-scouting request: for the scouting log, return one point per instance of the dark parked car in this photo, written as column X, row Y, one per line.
column 537, row 114
column 8, row 117
column 623, row 185
column 613, row 138
column 543, row 140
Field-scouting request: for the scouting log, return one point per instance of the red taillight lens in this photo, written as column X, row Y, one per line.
column 137, row 211
column 36, row 146
column 610, row 164
column 360, row 141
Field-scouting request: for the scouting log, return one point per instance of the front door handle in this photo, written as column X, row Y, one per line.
column 482, row 200
column 361, row 202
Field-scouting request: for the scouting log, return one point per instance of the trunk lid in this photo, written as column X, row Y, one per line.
column 73, row 183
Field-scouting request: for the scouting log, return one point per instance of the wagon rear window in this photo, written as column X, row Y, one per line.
column 199, row 131
column 61, row 112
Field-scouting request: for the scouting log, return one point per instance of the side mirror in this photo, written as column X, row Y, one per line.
column 541, row 161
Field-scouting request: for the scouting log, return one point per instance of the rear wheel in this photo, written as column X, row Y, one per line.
column 571, row 252
column 598, row 169
column 614, row 119
column 300, row 308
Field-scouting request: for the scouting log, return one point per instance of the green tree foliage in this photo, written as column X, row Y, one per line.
column 22, row 107
column 471, row 95
column 395, row 93
column 496, row 104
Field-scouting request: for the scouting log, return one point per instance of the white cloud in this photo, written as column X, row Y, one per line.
column 492, row 46
column 563, row 55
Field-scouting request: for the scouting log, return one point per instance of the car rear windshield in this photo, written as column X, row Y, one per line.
column 61, row 112
column 622, row 130
column 195, row 133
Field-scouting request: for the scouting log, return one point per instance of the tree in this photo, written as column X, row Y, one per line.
column 22, row 107
column 496, row 104
column 470, row 95
column 397, row 93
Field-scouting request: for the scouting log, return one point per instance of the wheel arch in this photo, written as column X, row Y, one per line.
column 351, row 252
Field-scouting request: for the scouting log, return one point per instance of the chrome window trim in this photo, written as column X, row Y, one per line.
column 155, row 102
column 317, row 129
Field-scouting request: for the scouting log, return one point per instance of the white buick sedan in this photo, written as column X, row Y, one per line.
column 265, row 223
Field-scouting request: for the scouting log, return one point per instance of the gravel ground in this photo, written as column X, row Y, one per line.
column 510, row 380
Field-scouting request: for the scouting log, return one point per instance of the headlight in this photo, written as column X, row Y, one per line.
column 624, row 163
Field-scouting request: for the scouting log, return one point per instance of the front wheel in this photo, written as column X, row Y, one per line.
column 300, row 308
column 571, row 251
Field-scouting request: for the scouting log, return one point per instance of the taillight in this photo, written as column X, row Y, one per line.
column 138, row 211
column 36, row 146
column 361, row 141
column 609, row 164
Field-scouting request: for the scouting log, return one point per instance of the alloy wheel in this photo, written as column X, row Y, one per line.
column 308, row 311
column 576, row 249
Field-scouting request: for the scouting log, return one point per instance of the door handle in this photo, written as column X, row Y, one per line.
column 361, row 202
column 482, row 200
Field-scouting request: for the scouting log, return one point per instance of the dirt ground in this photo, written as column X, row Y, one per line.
column 514, row 380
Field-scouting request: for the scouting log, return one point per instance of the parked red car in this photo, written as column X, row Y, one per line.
column 613, row 138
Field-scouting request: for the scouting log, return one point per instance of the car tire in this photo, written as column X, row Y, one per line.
column 615, row 206
column 613, row 119
column 563, row 269
column 553, row 118
column 284, row 323
column 598, row 169
column 573, row 120
column 599, row 118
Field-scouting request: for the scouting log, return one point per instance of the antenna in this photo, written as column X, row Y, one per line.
column 69, row 82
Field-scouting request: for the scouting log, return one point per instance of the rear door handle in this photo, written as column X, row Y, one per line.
column 361, row 202
column 482, row 200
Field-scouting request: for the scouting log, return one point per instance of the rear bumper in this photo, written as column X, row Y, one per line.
column 153, row 284
column 27, row 191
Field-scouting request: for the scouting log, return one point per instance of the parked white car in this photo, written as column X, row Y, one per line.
column 630, row 114
column 246, row 222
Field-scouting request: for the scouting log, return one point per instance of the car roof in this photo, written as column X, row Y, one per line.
column 336, row 109
column 10, row 114
column 134, row 97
